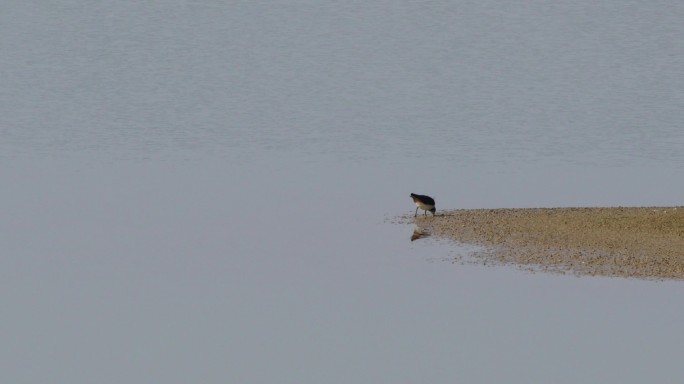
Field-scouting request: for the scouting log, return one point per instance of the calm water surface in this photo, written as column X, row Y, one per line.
column 203, row 192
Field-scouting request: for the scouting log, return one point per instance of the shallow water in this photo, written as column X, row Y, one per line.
column 199, row 191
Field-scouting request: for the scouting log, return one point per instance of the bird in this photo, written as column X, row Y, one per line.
column 426, row 203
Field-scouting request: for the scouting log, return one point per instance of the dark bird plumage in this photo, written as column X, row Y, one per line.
column 426, row 203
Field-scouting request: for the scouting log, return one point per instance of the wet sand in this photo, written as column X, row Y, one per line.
column 641, row 242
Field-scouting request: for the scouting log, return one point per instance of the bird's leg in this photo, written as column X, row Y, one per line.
column 416, row 214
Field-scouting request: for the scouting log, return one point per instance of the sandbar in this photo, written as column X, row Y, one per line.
column 638, row 242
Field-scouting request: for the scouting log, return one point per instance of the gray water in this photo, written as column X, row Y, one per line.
column 204, row 191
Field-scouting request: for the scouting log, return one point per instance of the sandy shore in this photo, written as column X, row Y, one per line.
column 643, row 242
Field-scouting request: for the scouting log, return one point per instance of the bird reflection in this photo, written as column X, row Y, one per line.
column 418, row 233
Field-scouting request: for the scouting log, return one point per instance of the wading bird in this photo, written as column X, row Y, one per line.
column 426, row 203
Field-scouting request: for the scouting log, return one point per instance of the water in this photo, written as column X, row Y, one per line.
column 199, row 191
